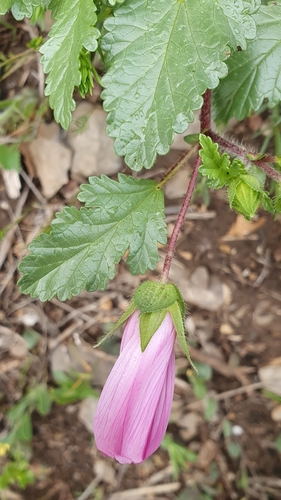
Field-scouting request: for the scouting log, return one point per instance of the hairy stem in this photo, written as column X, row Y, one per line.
column 205, row 124
column 175, row 168
column 242, row 154
column 179, row 222
column 205, row 116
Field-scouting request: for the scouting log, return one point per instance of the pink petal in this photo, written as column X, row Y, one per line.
column 135, row 404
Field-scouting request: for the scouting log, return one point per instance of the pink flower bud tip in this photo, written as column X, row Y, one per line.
column 135, row 404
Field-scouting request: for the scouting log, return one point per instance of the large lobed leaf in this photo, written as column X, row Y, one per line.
column 254, row 74
column 73, row 29
column 85, row 245
column 20, row 8
column 163, row 55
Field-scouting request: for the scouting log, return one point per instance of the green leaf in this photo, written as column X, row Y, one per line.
column 233, row 449
column 20, row 8
column 178, row 454
column 5, row 5
column 178, row 320
column 132, row 307
column 10, row 157
column 24, row 430
column 243, row 198
column 254, row 74
column 267, row 203
column 149, row 324
column 191, row 139
column 252, row 182
column 198, row 386
column 153, row 296
column 226, row 428
column 73, row 30
column 84, row 246
column 44, row 401
column 214, row 165
column 31, row 337
column 210, row 409
column 163, row 55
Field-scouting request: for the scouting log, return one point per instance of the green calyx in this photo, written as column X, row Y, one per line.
column 154, row 300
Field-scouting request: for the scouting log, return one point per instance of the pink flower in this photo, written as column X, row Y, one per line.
column 135, row 404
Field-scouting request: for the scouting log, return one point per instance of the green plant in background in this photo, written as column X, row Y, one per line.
column 180, row 456
column 233, row 448
column 15, row 444
column 72, row 387
column 16, row 472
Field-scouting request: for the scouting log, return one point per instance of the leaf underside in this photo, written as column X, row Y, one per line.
column 253, row 74
column 85, row 245
column 72, row 30
column 162, row 56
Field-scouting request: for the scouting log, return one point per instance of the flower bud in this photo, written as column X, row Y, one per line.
column 135, row 404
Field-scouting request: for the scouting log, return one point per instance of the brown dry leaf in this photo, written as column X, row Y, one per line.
column 242, row 228
column 207, row 454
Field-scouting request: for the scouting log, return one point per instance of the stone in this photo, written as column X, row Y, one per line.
column 270, row 375
column 276, row 414
column 86, row 412
column 93, row 149
column 52, row 162
column 190, row 423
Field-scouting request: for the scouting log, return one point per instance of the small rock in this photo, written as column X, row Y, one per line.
column 237, row 430
column 49, row 131
column 226, row 329
column 93, row 149
column 189, row 423
column 200, row 277
column 14, row 343
column 105, row 472
column 52, row 162
column 270, row 375
column 276, row 414
column 12, row 183
column 262, row 315
column 86, row 412
column 201, row 289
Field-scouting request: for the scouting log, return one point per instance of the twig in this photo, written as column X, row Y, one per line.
column 221, row 367
column 145, row 490
column 7, row 241
column 33, row 188
column 53, row 343
column 90, row 488
column 176, row 167
column 239, row 390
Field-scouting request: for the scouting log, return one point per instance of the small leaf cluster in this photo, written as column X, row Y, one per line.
column 244, row 183
column 16, row 472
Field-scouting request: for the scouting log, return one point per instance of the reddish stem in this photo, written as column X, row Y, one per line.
column 242, row 153
column 179, row 222
column 205, row 117
column 205, row 124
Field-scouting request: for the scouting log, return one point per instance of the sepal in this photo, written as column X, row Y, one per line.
column 131, row 309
